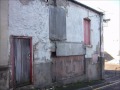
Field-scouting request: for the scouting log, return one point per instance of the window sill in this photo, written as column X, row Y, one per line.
column 89, row 46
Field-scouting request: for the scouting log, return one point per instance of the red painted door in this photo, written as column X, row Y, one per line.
column 22, row 61
column 87, row 31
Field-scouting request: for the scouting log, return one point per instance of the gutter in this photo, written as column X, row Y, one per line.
column 101, row 56
column 100, row 35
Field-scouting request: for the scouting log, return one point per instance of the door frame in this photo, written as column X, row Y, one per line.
column 12, row 37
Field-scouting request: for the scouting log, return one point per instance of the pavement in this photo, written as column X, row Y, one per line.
column 109, row 84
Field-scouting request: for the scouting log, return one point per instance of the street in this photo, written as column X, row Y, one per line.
column 112, row 86
column 112, row 75
column 112, row 78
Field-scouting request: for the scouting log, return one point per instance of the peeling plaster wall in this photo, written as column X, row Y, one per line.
column 75, row 30
column 31, row 18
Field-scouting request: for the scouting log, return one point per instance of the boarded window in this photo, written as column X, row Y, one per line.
column 57, row 23
column 69, row 49
column 87, row 31
column 68, row 66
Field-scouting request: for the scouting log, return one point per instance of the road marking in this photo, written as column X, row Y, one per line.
column 108, row 85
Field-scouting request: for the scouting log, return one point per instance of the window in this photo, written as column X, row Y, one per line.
column 86, row 31
column 57, row 24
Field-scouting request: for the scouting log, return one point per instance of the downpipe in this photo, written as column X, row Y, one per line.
column 101, row 58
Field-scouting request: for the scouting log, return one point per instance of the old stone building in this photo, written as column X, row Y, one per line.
column 47, row 42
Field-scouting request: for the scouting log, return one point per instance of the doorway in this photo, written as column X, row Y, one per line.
column 22, row 60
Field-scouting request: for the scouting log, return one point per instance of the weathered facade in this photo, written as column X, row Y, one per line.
column 48, row 42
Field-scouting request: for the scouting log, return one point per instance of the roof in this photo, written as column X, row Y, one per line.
column 83, row 5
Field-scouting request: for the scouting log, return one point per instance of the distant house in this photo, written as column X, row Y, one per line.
column 43, row 42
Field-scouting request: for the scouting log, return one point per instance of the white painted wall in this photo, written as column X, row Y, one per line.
column 31, row 20
column 74, row 26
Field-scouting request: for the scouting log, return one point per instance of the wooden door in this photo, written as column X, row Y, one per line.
column 22, row 56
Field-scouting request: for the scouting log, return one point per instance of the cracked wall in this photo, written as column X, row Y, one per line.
column 31, row 18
